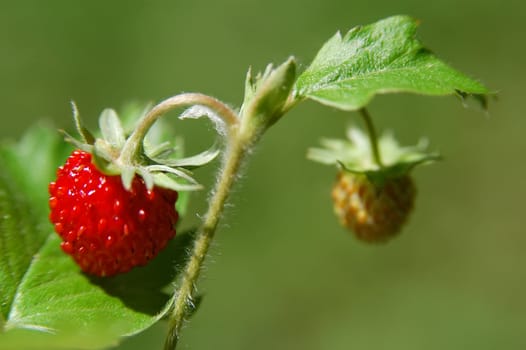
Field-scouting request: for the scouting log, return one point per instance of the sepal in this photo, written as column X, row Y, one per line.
column 127, row 175
column 356, row 156
column 84, row 133
column 191, row 162
column 173, row 183
column 111, row 128
column 76, row 143
column 158, row 164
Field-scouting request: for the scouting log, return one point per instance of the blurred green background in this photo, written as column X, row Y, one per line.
column 282, row 273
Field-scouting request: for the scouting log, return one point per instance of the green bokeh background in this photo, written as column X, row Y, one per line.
column 282, row 273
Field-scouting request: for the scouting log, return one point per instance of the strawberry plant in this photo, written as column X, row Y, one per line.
column 103, row 255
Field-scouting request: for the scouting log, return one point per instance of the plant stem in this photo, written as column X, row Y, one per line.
column 235, row 151
column 133, row 146
column 373, row 137
column 234, row 156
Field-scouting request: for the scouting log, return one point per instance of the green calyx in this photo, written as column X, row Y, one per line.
column 355, row 155
column 158, row 163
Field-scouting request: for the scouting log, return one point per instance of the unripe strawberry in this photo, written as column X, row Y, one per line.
column 372, row 200
column 374, row 213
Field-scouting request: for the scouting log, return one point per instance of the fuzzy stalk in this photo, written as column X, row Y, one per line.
column 234, row 156
column 132, row 149
column 235, row 151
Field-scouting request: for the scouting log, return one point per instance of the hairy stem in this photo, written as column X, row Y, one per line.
column 373, row 137
column 133, row 146
column 243, row 132
column 235, row 153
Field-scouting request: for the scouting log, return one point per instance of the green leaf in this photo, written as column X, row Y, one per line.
column 384, row 57
column 55, row 297
column 46, row 301
column 25, row 171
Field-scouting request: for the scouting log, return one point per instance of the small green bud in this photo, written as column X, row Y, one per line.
column 266, row 96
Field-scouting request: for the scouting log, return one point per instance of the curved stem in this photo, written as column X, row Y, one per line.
column 373, row 137
column 236, row 149
column 235, row 153
column 133, row 145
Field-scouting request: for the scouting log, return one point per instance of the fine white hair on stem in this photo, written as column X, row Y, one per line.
column 198, row 111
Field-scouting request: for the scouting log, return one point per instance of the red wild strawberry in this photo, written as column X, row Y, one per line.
column 106, row 228
column 113, row 202
column 372, row 212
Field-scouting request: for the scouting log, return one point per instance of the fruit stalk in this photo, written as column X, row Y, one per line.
column 133, row 146
column 234, row 156
column 266, row 100
column 373, row 138
column 235, row 151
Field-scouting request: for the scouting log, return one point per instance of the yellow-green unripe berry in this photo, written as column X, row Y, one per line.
column 372, row 212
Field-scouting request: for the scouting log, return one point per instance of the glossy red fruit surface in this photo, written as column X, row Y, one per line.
column 105, row 228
